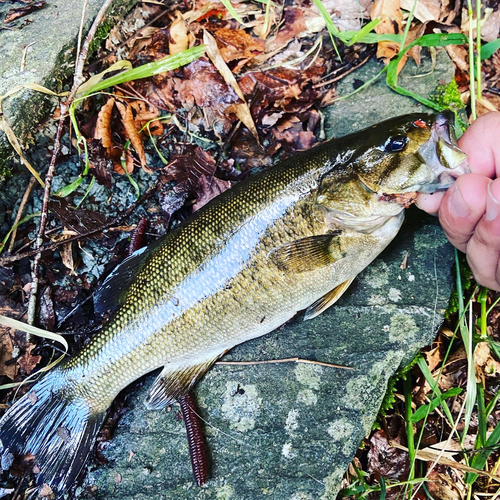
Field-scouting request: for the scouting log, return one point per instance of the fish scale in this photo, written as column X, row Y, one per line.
column 286, row 239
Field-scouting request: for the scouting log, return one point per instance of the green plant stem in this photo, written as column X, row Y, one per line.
column 478, row 48
column 409, row 431
column 471, row 63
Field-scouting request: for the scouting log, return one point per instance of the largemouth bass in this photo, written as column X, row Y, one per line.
column 290, row 238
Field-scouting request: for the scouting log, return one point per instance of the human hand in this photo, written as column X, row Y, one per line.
column 469, row 211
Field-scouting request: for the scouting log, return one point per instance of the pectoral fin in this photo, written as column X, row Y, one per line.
column 174, row 383
column 309, row 253
column 327, row 300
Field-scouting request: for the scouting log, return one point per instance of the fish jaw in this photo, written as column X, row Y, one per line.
column 442, row 155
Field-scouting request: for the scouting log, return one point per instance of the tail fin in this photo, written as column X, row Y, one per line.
column 56, row 427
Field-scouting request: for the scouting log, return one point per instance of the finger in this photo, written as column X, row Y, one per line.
column 430, row 202
column 462, row 207
column 483, row 249
column 480, row 143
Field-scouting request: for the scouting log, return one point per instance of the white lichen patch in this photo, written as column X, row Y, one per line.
column 241, row 405
column 225, row 492
column 301, row 495
column 288, row 452
column 402, row 327
column 292, row 421
column 394, row 295
column 411, row 277
column 340, row 429
column 377, row 300
column 332, row 483
column 309, row 375
column 377, row 275
column 341, row 433
column 307, row 397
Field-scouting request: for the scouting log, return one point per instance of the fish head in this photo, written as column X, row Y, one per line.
column 386, row 165
column 409, row 154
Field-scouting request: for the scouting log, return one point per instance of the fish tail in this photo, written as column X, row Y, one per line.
column 56, row 426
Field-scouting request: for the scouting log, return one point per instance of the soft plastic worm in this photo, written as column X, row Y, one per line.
column 195, row 438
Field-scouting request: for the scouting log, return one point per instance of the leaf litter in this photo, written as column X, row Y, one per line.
column 191, row 133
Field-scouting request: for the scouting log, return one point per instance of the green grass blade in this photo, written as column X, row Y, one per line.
column 489, row 49
column 15, row 226
column 407, row 386
column 358, row 36
column 424, row 410
column 33, row 330
column 168, row 63
column 430, row 40
column 424, row 368
column 332, row 29
column 229, row 7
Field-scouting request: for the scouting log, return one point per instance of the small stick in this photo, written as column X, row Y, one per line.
column 52, row 246
column 195, row 438
column 287, row 360
column 77, row 81
column 20, row 212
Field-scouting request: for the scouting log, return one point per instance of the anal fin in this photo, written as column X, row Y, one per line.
column 327, row 300
column 171, row 384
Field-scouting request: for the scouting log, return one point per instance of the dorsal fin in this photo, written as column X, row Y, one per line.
column 111, row 292
column 327, row 300
column 308, row 253
column 171, row 384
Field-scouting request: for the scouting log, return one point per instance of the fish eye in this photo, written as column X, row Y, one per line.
column 396, row 144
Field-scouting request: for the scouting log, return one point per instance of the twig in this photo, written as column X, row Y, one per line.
column 343, row 75
column 287, row 360
column 77, row 81
column 52, row 246
column 20, row 212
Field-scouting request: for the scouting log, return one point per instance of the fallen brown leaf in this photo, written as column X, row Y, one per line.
column 18, row 12
column 241, row 110
column 132, row 132
column 178, row 35
column 238, row 44
column 390, row 15
column 103, row 126
column 27, row 362
column 210, row 188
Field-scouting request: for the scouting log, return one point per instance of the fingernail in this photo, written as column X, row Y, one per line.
column 457, row 204
column 492, row 205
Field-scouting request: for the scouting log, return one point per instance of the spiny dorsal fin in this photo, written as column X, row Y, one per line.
column 308, row 253
column 111, row 292
column 172, row 384
column 327, row 300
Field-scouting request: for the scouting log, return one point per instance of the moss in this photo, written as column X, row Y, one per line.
column 102, row 32
column 390, row 393
column 448, row 96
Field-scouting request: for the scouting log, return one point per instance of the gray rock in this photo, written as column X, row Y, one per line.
column 290, row 430
column 49, row 61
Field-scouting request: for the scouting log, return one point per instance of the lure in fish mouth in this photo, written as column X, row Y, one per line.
column 290, row 238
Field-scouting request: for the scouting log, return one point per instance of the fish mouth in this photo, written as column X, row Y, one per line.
column 442, row 155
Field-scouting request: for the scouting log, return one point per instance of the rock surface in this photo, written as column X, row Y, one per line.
column 50, row 43
column 290, row 430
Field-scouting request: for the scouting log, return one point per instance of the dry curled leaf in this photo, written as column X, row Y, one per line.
column 390, row 16
column 484, row 363
column 103, row 126
column 210, row 187
column 132, row 132
column 241, row 110
column 179, row 40
column 144, row 115
column 27, row 362
column 238, row 44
